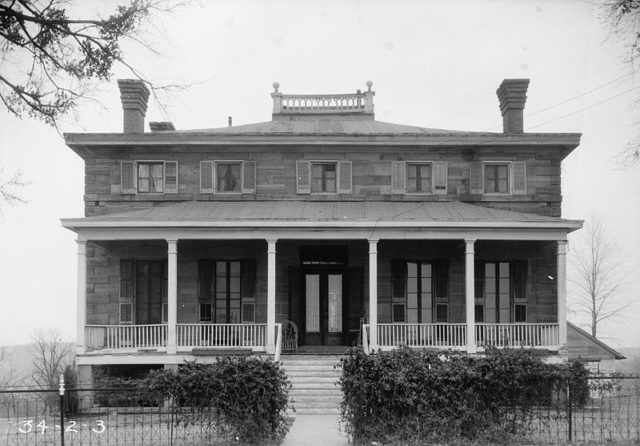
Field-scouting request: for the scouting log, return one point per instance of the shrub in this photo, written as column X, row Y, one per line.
column 246, row 398
column 417, row 397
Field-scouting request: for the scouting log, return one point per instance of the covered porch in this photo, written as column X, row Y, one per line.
column 387, row 288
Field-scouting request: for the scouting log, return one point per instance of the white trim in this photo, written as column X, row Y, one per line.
column 337, row 165
column 510, row 177
column 135, row 176
column 215, row 176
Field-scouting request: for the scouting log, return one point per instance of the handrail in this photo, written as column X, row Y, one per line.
column 278, row 342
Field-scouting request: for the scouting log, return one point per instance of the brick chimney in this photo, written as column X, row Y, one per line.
column 134, row 95
column 512, row 95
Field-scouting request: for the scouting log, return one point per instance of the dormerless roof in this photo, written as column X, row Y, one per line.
column 321, row 214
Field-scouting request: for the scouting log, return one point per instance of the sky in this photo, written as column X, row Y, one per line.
column 433, row 64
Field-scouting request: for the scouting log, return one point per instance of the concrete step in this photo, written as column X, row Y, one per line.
column 315, row 391
column 312, row 378
column 295, row 366
column 316, row 411
column 318, row 373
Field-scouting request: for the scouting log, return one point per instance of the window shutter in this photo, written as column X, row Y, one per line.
column 346, row 177
column 441, row 278
column 126, row 279
column 399, row 278
column 170, row 177
column 248, row 177
column 519, row 178
column 205, row 278
column 519, row 279
column 440, row 178
column 128, row 177
column 475, row 178
column 248, row 279
column 397, row 177
column 303, row 174
column 206, row 177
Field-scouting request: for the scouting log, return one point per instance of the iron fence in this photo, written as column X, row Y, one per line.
column 609, row 413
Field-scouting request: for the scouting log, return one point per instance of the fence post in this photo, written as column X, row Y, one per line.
column 61, row 392
column 569, row 413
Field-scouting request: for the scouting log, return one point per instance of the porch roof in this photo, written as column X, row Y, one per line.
column 321, row 214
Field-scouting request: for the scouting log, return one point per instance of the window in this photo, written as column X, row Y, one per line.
column 323, row 177
column 418, row 178
column 418, row 289
column 229, row 177
column 149, row 177
column 496, row 179
column 226, row 291
column 501, row 292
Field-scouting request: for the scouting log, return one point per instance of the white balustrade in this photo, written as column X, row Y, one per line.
column 323, row 103
column 222, row 335
column 115, row 337
column 517, row 335
column 422, row 335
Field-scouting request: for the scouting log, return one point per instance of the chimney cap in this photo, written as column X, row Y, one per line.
column 512, row 94
column 161, row 126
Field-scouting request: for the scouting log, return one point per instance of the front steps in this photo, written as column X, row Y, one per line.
column 314, row 388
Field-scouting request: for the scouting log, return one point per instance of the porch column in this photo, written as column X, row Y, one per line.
column 469, row 288
column 562, row 294
column 172, row 296
column 271, row 295
column 81, row 345
column 373, row 294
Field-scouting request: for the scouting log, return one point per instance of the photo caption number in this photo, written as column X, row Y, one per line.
column 101, row 427
column 43, row 426
column 28, row 424
column 70, row 427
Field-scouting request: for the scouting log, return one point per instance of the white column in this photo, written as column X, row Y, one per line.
column 373, row 294
column 82, row 297
column 469, row 288
column 271, row 295
column 172, row 296
column 562, row 293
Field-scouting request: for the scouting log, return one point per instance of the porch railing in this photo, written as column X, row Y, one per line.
column 222, row 335
column 152, row 336
column 517, row 335
column 422, row 335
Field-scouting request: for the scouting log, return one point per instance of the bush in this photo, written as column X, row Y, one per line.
column 418, row 397
column 246, row 397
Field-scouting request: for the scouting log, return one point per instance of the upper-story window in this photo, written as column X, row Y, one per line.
column 227, row 177
column 149, row 177
column 323, row 177
column 498, row 178
column 418, row 177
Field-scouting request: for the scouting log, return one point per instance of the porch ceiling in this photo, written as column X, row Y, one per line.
column 322, row 214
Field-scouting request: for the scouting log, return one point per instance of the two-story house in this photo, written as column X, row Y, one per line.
column 353, row 229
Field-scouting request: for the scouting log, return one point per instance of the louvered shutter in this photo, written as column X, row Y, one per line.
column 248, row 177
column 397, row 177
column 345, row 180
column 399, row 278
column 519, row 178
column 440, row 178
column 206, row 177
column 170, row 177
column 303, row 177
column 519, row 279
column 475, row 178
column 128, row 177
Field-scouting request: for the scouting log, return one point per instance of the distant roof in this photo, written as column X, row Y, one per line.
column 323, row 213
column 586, row 347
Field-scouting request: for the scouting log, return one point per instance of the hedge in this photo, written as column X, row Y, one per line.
column 409, row 396
column 246, row 398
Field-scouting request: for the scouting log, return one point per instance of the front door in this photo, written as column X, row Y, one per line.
column 323, row 305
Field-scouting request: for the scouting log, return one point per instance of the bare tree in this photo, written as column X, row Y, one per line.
column 599, row 275
column 623, row 16
column 11, row 188
column 50, row 356
column 49, row 61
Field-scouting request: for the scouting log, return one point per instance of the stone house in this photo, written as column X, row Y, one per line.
column 321, row 222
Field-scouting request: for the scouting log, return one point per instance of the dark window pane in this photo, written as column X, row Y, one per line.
column 479, row 313
column 228, row 177
column 398, row 313
column 521, row 313
column 442, row 313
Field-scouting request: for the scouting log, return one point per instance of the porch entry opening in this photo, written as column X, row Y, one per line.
column 323, row 301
